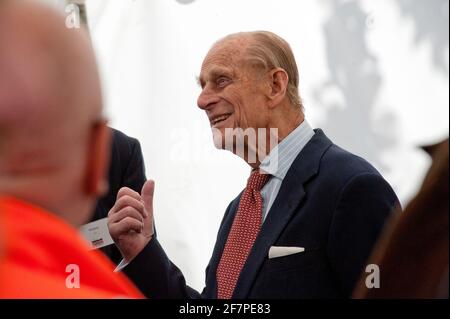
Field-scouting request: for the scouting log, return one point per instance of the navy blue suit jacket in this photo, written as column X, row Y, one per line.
column 126, row 169
column 331, row 202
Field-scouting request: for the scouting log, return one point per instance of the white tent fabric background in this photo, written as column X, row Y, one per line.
column 373, row 75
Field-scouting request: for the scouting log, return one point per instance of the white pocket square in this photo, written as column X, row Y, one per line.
column 280, row 251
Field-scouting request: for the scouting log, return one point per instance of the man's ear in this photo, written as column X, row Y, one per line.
column 98, row 160
column 278, row 82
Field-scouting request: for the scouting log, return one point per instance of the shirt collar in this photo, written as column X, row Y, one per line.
column 280, row 159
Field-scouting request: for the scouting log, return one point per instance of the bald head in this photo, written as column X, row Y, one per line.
column 49, row 101
column 46, row 71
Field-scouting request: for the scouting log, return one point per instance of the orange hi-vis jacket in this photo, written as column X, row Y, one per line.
column 41, row 256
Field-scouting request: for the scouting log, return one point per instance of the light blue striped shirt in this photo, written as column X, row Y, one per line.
column 280, row 159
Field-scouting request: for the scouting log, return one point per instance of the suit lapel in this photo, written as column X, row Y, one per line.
column 289, row 197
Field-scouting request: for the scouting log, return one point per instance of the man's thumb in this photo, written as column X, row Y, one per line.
column 147, row 196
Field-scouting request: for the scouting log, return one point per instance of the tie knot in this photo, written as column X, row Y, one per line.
column 256, row 181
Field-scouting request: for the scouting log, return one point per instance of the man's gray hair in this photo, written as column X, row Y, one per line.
column 270, row 51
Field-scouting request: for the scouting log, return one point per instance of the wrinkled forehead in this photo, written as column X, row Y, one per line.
column 224, row 52
column 225, row 55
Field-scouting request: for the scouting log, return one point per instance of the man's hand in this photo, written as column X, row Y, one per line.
column 130, row 220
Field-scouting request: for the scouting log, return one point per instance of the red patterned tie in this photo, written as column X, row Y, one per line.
column 245, row 228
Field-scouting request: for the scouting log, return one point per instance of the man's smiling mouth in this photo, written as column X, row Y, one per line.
column 219, row 118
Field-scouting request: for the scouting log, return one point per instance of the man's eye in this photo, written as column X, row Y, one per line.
column 222, row 81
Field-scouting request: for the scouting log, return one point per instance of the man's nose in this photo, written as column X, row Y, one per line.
column 207, row 98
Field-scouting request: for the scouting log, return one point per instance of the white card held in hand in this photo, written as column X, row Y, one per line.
column 280, row 251
column 97, row 233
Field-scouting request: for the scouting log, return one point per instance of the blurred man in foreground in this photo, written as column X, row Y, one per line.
column 54, row 147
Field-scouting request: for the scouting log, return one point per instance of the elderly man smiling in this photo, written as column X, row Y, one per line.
column 300, row 229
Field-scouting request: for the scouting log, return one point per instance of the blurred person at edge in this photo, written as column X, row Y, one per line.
column 54, row 148
column 412, row 253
